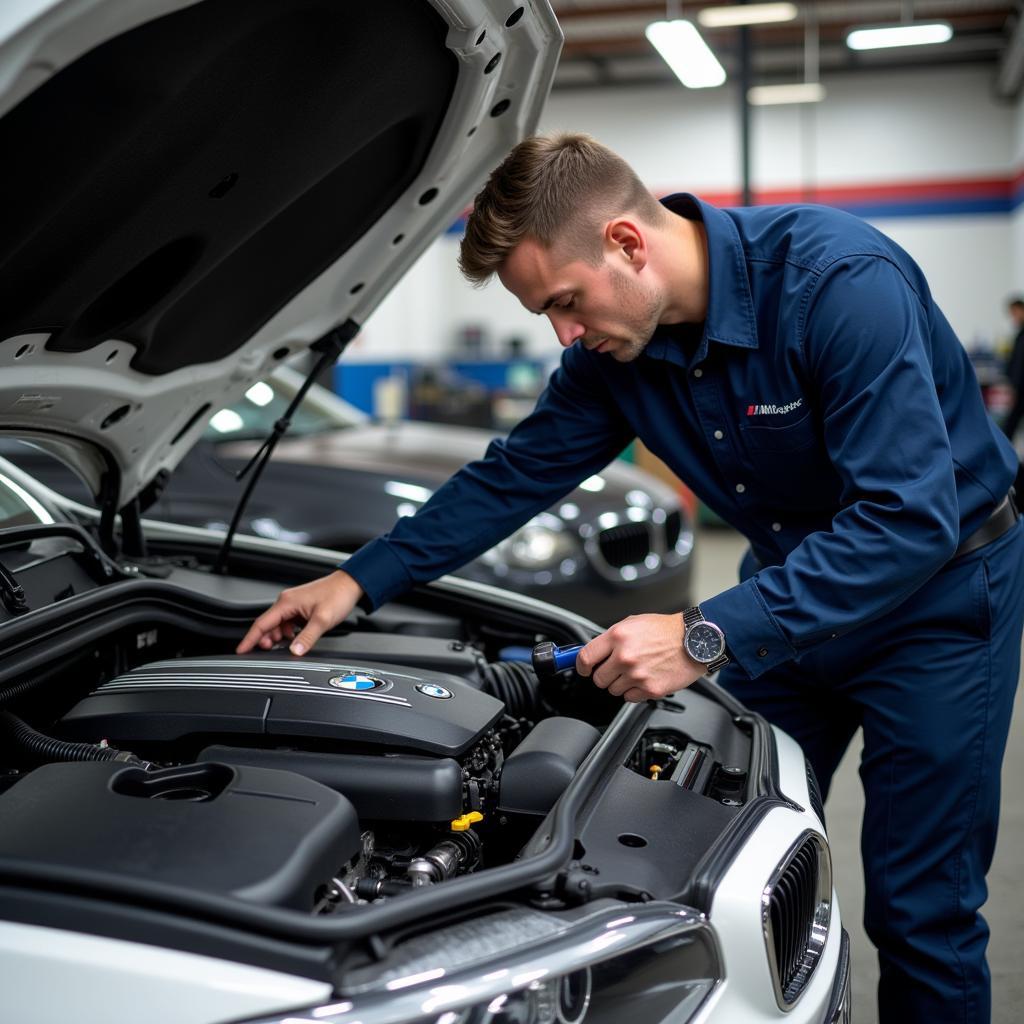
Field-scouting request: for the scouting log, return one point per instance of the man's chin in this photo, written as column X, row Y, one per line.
column 626, row 351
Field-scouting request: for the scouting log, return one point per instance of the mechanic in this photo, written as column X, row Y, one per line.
column 790, row 365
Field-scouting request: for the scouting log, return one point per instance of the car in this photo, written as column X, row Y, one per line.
column 409, row 825
column 620, row 544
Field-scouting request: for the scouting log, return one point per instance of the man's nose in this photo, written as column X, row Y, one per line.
column 567, row 329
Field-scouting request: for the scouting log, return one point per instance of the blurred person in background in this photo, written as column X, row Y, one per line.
column 1015, row 368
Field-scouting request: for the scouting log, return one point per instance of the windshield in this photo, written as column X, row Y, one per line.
column 18, row 507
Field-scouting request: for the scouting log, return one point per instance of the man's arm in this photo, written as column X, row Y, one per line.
column 573, row 432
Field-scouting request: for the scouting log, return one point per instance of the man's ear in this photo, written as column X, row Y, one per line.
column 627, row 237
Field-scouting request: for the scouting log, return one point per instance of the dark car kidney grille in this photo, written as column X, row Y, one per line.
column 628, row 548
column 796, row 908
column 628, row 544
column 673, row 527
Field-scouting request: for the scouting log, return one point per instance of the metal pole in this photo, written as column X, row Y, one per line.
column 745, row 114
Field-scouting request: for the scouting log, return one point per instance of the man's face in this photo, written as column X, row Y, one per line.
column 606, row 307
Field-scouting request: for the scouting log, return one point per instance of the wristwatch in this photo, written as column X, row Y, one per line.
column 703, row 641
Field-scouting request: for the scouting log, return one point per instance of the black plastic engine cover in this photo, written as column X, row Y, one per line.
column 278, row 696
column 268, row 837
column 393, row 787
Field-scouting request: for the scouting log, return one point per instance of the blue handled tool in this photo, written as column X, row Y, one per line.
column 549, row 659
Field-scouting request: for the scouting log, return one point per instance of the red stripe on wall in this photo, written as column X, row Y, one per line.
column 946, row 188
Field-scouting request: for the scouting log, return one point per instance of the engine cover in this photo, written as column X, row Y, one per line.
column 370, row 704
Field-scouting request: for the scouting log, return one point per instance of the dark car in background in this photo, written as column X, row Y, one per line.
column 620, row 544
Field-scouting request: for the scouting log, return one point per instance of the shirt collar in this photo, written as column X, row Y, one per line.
column 730, row 317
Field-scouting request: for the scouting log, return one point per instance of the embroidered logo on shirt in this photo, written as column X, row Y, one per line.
column 774, row 410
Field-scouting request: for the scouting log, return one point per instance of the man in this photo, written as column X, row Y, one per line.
column 1015, row 367
column 790, row 365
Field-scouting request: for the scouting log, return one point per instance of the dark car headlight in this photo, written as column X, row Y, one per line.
column 651, row 963
column 542, row 544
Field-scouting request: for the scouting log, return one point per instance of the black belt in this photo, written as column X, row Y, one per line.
column 1002, row 519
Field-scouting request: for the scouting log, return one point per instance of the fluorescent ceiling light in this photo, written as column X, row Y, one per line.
column 877, row 37
column 226, row 421
column 798, row 92
column 261, row 393
column 685, row 52
column 746, row 14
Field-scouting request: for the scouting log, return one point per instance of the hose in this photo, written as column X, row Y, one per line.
column 515, row 684
column 46, row 748
column 16, row 690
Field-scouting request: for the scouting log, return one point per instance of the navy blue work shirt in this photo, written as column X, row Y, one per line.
column 827, row 411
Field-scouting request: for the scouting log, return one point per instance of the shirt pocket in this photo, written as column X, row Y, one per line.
column 790, row 463
column 792, row 436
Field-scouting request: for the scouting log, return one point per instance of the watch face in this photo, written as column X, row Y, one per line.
column 704, row 642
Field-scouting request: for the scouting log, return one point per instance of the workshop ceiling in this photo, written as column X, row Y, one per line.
column 605, row 42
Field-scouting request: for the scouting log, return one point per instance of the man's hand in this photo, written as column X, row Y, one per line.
column 640, row 658
column 313, row 608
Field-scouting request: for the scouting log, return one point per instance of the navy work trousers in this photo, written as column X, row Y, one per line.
column 932, row 686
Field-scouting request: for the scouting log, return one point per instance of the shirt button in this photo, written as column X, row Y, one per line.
column 719, row 435
column 776, row 527
column 740, row 488
column 762, row 652
column 698, row 373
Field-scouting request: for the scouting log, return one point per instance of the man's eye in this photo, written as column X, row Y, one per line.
column 568, row 304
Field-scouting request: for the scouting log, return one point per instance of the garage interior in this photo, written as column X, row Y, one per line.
column 924, row 141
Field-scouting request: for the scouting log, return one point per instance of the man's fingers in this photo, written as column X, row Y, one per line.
column 591, row 655
column 305, row 640
column 607, row 672
column 265, row 626
column 318, row 624
column 620, row 685
column 635, row 695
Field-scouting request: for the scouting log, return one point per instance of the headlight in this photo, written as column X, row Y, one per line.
column 653, row 963
column 541, row 544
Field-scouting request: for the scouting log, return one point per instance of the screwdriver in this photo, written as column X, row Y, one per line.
column 549, row 659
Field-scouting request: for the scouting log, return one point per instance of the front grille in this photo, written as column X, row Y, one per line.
column 628, row 544
column 796, row 908
column 636, row 543
column 673, row 526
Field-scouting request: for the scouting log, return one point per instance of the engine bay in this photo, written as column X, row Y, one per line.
column 411, row 748
column 396, row 771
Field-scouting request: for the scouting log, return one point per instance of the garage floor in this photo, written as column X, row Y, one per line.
column 718, row 555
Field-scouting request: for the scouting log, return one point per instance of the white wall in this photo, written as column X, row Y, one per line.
column 897, row 128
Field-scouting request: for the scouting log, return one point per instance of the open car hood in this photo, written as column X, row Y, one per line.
column 194, row 190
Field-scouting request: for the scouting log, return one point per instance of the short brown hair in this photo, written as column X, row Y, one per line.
column 551, row 188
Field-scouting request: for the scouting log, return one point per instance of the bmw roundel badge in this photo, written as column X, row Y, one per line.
column 357, row 681
column 433, row 690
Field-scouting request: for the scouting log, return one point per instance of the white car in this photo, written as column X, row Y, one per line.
column 407, row 826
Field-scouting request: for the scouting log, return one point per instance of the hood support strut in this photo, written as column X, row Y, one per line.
column 330, row 347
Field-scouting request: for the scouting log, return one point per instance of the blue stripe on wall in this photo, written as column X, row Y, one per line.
column 930, row 208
